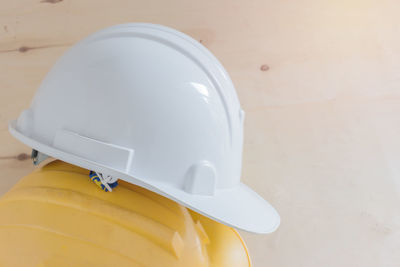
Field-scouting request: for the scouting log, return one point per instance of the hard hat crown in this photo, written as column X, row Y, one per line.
column 150, row 94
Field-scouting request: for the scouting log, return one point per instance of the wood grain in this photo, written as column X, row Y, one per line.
column 319, row 81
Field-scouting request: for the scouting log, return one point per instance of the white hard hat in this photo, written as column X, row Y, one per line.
column 151, row 106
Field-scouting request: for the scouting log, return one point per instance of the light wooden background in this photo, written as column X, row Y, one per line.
column 319, row 81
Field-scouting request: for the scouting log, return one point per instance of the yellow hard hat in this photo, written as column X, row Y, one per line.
column 55, row 216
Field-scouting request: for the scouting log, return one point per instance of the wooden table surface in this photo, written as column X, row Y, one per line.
column 320, row 84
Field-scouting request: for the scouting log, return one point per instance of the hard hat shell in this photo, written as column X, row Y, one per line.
column 153, row 107
column 56, row 216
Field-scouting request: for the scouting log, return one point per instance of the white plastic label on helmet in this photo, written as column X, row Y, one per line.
column 151, row 106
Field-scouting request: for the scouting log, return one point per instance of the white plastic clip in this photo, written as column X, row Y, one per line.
column 106, row 180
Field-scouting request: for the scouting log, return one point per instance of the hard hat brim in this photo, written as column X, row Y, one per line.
column 239, row 207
